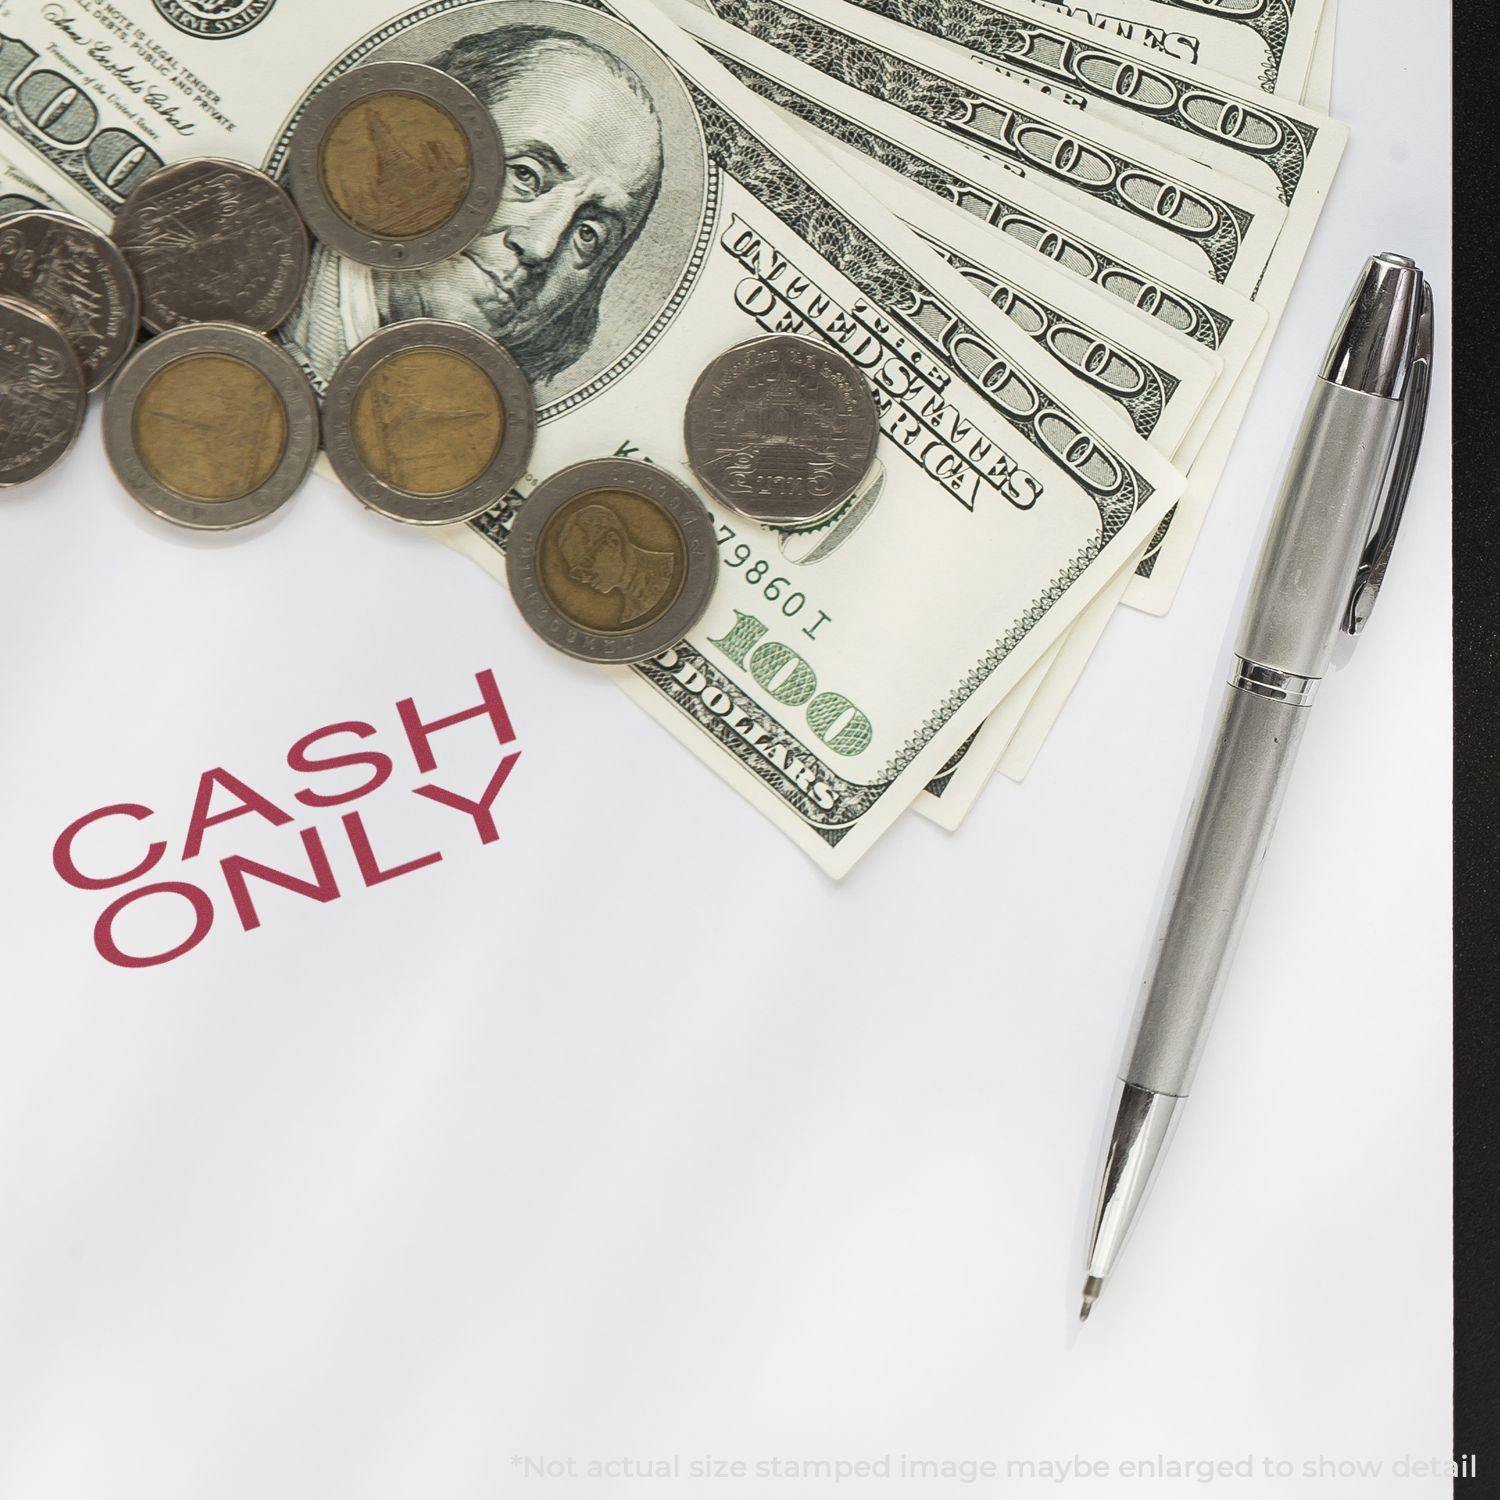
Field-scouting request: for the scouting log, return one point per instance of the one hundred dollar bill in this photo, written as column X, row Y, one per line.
column 1271, row 142
column 1246, row 137
column 1189, row 303
column 1233, row 324
column 1159, row 381
column 1019, row 740
column 1267, row 43
column 1279, row 147
column 1205, row 218
column 832, row 678
column 1131, row 360
column 1276, row 145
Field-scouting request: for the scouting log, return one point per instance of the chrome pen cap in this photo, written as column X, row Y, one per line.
column 1373, row 344
column 1344, row 488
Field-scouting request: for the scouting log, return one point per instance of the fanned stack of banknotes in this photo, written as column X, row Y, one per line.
column 1056, row 238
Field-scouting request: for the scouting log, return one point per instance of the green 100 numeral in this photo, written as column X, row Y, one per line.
column 844, row 728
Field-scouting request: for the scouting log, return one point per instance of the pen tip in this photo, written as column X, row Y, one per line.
column 1091, row 1289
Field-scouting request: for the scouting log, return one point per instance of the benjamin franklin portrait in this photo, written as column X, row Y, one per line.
column 594, row 221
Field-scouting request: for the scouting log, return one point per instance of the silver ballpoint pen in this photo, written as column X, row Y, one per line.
column 1322, row 565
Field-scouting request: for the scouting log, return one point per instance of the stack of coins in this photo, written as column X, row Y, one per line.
column 210, row 423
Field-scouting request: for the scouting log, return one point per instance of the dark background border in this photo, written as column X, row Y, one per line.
column 1476, row 753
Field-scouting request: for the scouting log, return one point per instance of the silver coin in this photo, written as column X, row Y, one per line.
column 783, row 429
column 213, row 241
column 43, row 393
column 396, row 165
column 211, row 426
column 427, row 422
column 77, row 277
column 612, row 561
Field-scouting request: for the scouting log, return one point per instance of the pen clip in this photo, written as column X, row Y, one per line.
column 1377, row 553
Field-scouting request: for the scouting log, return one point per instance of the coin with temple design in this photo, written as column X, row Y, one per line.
column 213, row 241
column 396, row 165
column 781, row 428
column 78, row 278
column 428, row 422
column 43, row 393
column 611, row 561
column 211, row 426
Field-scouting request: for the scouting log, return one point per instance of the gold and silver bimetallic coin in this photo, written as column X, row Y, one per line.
column 79, row 278
column 611, row 561
column 213, row 241
column 211, row 426
column 396, row 165
column 781, row 428
column 43, row 392
column 428, row 422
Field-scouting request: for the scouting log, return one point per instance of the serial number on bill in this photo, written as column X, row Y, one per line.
column 774, row 587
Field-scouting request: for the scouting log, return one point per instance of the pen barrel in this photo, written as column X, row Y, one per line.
column 1228, row 833
column 1318, row 530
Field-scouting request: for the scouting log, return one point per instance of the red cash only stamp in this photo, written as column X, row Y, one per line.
column 222, row 797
